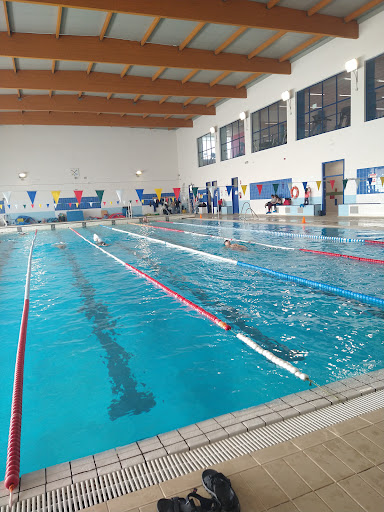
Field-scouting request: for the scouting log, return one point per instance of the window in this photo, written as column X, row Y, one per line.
column 269, row 126
column 374, row 80
column 232, row 140
column 324, row 107
column 206, row 149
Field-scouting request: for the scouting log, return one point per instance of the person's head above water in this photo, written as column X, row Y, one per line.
column 227, row 243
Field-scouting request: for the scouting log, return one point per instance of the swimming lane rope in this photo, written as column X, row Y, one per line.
column 177, row 296
column 370, row 299
column 245, row 339
column 12, row 472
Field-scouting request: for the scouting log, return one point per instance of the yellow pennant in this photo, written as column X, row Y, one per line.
column 56, row 195
column 39, row 205
column 244, row 188
column 318, row 184
column 77, row 205
column 1, row 206
column 382, row 181
column 158, row 193
column 111, row 202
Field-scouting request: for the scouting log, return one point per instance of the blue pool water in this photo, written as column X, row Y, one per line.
column 111, row 359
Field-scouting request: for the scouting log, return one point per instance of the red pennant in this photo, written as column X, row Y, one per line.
column 332, row 182
column 79, row 195
column 70, row 204
column 177, row 192
column 259, row 188
column 104, row 203
column 32, row 205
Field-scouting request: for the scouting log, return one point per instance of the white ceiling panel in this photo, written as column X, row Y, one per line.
column 33, row 92
column 212, row 36
column 205, row 76
column 148, row 97
column 108, row 68
column 63, row 93
column 38, row 19
column 298, row 4
column 202, row 101
column 66, row 65
column 3, row 24
column 142, row 70
column 6, row 63
column 234, row 78
column 284, row 45
column 249, row 40
column 342, row 8
column 177, row 99
column 175, row 74
column 24, row 64
column 172, row 32
column 98, row 94
column 82, row 22
column 126, row 26
column 7, row 91
column 124, row 96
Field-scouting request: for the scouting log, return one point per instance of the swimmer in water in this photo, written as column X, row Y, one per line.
column 60, row 245
column 98, row 241
column 235, row 247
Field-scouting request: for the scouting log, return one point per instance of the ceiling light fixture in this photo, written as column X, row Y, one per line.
column 242, row 116
column 23, row 175
column 139, row 173
column 212, row 129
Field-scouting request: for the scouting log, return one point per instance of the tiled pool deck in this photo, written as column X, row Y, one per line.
column 197, row 435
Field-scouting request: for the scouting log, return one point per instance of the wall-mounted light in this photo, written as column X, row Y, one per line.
column 139, row 173
column 212, row 129
column 23, row 175
column 243, row 116
column 351, row 67
column 286, row 95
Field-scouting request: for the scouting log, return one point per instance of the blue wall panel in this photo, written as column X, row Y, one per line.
column 283, row 189
column 375, row 187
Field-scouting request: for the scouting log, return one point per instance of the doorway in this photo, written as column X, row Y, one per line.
column 235, row 195
column 333, row 190
column 208, row 185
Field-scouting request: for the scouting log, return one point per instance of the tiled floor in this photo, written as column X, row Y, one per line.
column 339, row 469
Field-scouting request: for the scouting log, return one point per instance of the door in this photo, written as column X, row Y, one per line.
column 235, row 195
column 215, row 192
column 333, row 190
column 209, row 197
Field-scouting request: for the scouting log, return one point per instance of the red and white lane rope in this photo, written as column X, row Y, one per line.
column 176, row 295
column 12, row 473
column 357, row 258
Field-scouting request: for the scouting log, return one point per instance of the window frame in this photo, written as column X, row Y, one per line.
column 372, row 90
column 211, row 149
column 278, row 104
column 239, row 140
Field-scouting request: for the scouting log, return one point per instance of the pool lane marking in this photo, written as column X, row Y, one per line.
column 368, row 260
column 370, row 299
column 291, row 235
column 192, row 305
column 222, row 238
column 12, row 473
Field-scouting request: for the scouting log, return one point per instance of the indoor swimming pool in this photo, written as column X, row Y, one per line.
column 112, row 359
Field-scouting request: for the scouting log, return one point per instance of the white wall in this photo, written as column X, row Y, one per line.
column 107, row 158
column 361, row 144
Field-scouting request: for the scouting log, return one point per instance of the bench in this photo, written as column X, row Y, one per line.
column 310, row 210
column 361, row 210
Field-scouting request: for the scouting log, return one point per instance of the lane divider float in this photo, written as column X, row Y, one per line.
column 177, row 296
column 245, row 339
column 370, row 299
column 12, row 472
column 358, row 258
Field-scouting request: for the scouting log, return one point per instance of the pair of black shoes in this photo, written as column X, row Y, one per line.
column 224, row 498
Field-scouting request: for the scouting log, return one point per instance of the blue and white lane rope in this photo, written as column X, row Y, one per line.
column 282, row 233
column 369, row 299
column 248, row 341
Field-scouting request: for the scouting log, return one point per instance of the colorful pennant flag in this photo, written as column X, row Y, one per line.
column 318, row 183
column 158, row 193
column 104, row 203
column 9, row 205
column 100, row 194
column 382, row 180
column 56, row 195
column 194, row 190
column 70, row 205
column 229, row 189
column 32, row 205
column 244, row 188
column 370, row 181
column 1, row 206
column 111, row 202
column 177, row 192
column 47, row 205
column 39, row 205
column 119, row 194
column 259, row 188
column 139, row 192
column 77, row 205
column 332, row 182
column 78, row 195
column 275, row 187
column 345, row 181
column 90, row 204
column 7, row 196
column 24, row 205
column 305, row 183
column 32, row 195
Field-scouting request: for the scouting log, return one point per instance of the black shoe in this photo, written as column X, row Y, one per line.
column 176, row 505
column 219, row 487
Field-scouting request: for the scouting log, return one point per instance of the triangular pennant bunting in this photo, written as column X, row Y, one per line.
column 177, row 192
column 275, row 187
column 100, row 194
column 32, row 195
column 158, row 193
column 229, row 189
column 244, row 188
column 332, row 182
column 70, row 205
column 194, row 190
column 259, row 188
column 9, row 205
column 47, row 205
column 77, row 205
column 55, row 195
column 305, row 183
column 139, row 192
column 7, row 196
column 111, row 202
column 119, row 194
column 39, row 205
column 90, row 204
column 345, row 181
column 32, row 205
column 318, row 183
column 78, row 195
column 24, row 205
column 382, row 180
column 370, row 180
column 1, row 206
column 104, row 203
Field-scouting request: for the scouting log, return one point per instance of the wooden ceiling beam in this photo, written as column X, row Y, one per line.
column 148, row 33
column 219, row 78
column 53, row 68
column 192, row 35
column 110, row 82
column 158, row 73
column 7, row 18
column 70, row 103
column 14, row 65
column 266, row 44
column 247, row 80
column 137, row 97
column 300, row 48
column 109, row 96
column 107, row 21
column 58, row 22
column 358, row 12
column 119, row 51
column 189, row 100
column 212, row 102
column 89, row 68
column 125, row 70
column 189, row 76
column 81, row 119
column 241, row 13
column 317, row 7
column 163, row 99
column 230, row 40
column 272, row 3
